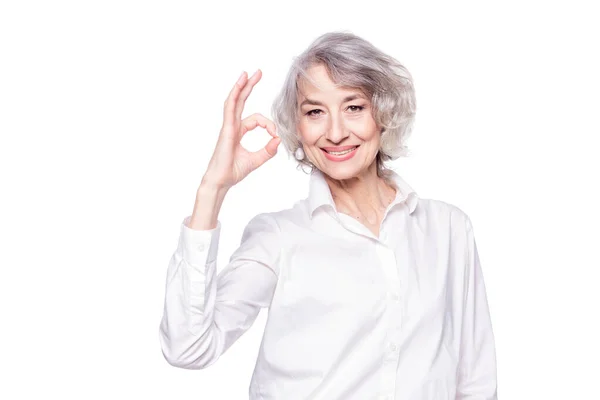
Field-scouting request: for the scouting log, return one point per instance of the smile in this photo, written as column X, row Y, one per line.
column 341, row 154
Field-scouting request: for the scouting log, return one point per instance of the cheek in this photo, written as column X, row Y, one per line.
column 366, row 129
column 309, row 133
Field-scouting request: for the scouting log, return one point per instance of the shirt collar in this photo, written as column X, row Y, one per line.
column 320, row 194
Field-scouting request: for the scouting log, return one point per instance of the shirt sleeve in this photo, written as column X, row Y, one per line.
column 205, row 313
column 477, row 365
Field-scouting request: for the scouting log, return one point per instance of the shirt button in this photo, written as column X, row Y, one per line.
column 394, row 297
column 200, row 247
column 393, row 346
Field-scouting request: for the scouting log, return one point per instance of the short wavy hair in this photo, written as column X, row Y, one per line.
column 353, row 62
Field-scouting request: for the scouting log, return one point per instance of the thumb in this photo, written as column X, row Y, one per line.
column 266, row 153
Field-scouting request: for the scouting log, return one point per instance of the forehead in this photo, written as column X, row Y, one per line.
column 323, row 84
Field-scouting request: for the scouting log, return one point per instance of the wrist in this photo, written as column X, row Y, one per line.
column 209, row 184
column 209, row 200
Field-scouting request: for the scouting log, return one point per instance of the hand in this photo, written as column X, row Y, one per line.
column 230, row 162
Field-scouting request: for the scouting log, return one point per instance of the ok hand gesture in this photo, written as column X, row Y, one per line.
column 230, row 162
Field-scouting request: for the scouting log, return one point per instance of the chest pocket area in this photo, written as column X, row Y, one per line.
column 331, row 274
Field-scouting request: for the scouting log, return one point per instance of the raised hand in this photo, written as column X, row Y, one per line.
column 230, row 162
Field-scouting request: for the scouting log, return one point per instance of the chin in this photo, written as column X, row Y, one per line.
column 341, row 172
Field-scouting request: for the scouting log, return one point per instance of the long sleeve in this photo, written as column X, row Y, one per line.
column 204, row 314
column 477, row 369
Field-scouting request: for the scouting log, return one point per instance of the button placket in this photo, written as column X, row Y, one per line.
column 392, row 354
column 389, row 264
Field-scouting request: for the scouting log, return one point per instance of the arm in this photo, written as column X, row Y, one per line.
column 204, row 314
column 477, row 365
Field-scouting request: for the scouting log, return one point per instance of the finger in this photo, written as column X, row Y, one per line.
column 241, row 100
column 266, row 153
column 271, row 147
column 256, row 119
column 229, row 107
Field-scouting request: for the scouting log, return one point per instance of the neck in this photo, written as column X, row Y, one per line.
column 365, row 195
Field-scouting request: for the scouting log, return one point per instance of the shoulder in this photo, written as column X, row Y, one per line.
column 266, row 234
column 297, row 214
column 275, row 222
column 261, row 241
column 440, row 213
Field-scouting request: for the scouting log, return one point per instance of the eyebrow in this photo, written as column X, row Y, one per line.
column 318, row 103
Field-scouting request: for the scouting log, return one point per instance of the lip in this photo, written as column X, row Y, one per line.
column 339, row 148
column 344, row 157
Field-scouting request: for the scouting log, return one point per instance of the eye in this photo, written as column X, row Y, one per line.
column 357, row 108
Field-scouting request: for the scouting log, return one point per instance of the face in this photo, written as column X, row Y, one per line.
column 338, row 132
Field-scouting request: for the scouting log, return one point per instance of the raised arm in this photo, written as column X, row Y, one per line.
column 204, row 314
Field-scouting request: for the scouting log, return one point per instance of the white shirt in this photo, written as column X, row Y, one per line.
column 351, row 316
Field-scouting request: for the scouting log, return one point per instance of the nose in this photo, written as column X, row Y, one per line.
column 337, row 130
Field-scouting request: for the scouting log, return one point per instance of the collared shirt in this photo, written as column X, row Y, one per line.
column 351, row 316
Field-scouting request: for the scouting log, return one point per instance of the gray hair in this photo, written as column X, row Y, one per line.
column 353, row 62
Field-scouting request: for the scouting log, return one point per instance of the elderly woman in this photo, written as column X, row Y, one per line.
column 372, row 292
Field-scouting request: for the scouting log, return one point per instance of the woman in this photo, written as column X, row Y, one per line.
column 372, row 292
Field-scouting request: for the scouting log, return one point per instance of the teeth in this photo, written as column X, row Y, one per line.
column 340, row 153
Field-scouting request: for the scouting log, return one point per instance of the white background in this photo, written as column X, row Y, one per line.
column 109, row 112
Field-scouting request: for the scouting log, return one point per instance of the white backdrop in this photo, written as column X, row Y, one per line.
column 109, row 112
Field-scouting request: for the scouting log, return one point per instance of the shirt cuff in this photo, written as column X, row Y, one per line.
column 200, row 247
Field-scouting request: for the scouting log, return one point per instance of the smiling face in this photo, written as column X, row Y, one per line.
column 338, row 132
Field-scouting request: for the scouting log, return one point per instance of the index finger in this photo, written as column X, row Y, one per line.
column 230, row 102
column 241, row 100
column 256, row 119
